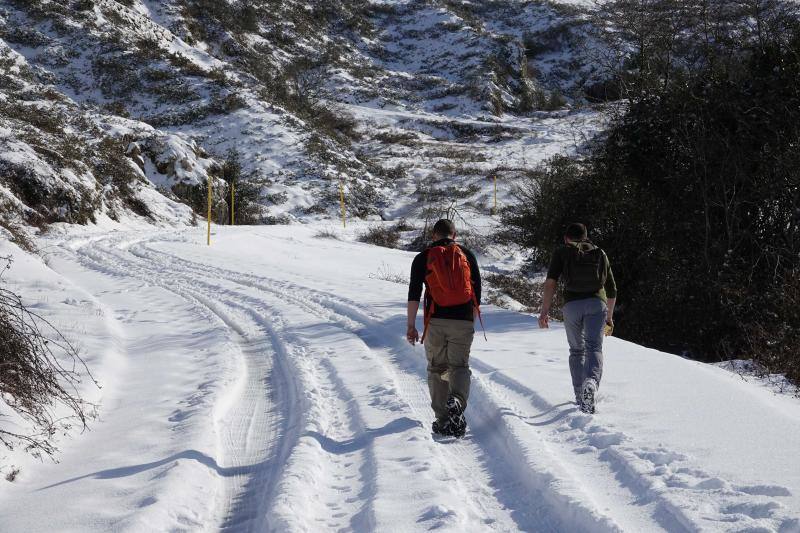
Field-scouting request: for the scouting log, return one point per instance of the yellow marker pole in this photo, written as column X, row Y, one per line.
column 341, row 201
column 233, row 190
column 208, row 232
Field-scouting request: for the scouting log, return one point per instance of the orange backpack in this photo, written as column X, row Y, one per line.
column 449, row 280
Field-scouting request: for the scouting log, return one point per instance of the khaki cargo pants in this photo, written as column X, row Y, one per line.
column 447, row 346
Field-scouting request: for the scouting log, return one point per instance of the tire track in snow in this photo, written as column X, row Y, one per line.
column 255, row 435
column 248, row 504
column 683, row 497
column 532, row 494
column 406, row 467
column 476, row 501
column 85, row 252
column 522, row 485
column 505, row 418
column 298, row 458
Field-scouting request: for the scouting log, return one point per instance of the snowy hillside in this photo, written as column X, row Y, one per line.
column 104, row 104
column 264, row 384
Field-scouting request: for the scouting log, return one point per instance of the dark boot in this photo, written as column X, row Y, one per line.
column 456, row 423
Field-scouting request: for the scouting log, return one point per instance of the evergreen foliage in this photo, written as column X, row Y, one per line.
column 695, row 190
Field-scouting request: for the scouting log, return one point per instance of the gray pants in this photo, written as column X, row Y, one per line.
column 585, row 321
column 447, row 347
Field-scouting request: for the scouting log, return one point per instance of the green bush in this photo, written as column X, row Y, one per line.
column 694, row 195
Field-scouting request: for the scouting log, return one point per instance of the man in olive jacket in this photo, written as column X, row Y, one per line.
column 589, row 297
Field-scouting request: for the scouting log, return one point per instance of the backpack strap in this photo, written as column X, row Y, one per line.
column 426, row 320
column 480, row 317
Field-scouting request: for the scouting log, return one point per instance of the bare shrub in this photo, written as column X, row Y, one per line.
column 364, row 198
column 405, row 138
column 246, row 193
column 276, row 220
column 386, row 236
column 326, row 233
column 403, row 225
column 12, row 474
column 277, row 198
column 386, row 273
column 39, row 376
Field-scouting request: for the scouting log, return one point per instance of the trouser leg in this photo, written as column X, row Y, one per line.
column 573, row 324
column 459, row 343
column 436, row 353
column 594, row 323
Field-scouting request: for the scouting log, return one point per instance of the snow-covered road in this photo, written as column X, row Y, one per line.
column 263, row 384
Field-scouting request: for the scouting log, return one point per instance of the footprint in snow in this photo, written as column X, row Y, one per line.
column 752, row 510
column 660, row 457
column 764, row 490
column 439, row 515
column 602, row 441
column 696, row 497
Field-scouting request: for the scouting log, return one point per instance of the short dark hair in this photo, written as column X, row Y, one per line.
column 444, row 228
column 576, row 232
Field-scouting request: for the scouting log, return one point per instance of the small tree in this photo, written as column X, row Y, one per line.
column 246, row 196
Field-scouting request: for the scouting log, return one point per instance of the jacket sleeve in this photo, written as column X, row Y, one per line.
column 475, row 273
column 417, row 279
column 556, row 265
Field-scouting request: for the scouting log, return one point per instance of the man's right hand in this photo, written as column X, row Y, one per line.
column 412, row 335
column 544, row 320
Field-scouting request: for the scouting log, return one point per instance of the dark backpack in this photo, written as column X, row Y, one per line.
column 584, row 268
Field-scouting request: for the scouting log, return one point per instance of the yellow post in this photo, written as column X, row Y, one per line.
column 233, row 190
column 208, row 232
column 341, row 201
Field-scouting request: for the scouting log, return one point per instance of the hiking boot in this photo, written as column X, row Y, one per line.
column 588, row 396
column 456, row 423
column 439, row 427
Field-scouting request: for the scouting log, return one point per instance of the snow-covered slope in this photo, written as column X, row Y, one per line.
column 263, row 383
column 106, row 103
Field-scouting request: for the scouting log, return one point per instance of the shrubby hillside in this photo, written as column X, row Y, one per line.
column 113, row 108
column 694, row 189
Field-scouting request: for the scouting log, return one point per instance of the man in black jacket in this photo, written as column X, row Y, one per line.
column 448, row 337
